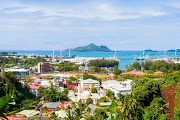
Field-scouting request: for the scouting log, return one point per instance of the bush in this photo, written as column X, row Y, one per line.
column 103, row 99
column 93, row 90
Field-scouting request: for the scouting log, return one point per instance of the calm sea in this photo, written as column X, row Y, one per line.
column 125, row 57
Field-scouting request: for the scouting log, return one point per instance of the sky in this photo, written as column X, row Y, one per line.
column 62, row 24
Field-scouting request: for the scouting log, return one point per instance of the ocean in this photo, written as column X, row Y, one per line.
column 125, row 57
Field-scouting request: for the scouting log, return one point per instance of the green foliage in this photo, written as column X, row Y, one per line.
column 110, row 93
column 154, row 111
column 117, row 71
column 145, row 90
column 86, row 76
column 89, row 101
column 163, row 117
column 156, row 66
column 177, row 109
column 99, row 114
column 103, row 99
column 68, row 66
column 93, row 90
column 103, row 63
column 51, row 94
column 3, row 102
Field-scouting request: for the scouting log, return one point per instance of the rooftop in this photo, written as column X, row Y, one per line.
column 15, row 70
column 51, row 105
column 28, row 112
column 61, row 114
column 88, row 81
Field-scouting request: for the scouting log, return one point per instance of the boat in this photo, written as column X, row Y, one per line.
column 142, row 58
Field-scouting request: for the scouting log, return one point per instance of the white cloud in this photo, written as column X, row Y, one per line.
column 100, row 11
column 154, row 13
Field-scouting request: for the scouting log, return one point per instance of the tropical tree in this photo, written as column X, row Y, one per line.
column 3, row 102
column 93, row 90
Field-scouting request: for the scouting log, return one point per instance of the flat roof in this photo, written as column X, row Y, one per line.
column 28, row 112
column 88, row 81
column 61, row 114
column 15, row 70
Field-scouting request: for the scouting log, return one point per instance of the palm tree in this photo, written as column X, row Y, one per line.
column 3, row 102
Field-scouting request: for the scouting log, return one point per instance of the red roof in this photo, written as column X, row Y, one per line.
column 159, row 72
column 61, row 105
column 33, row 85
column 13, row 118
column 67, row 102
column 135, row 73
column 73, row 87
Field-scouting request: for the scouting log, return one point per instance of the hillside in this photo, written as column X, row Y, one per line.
column 90, row 48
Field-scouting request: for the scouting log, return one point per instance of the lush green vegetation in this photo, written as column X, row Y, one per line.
column 177, row 109
column 155, row 66
column 51, row 94
column 10, row 61
column 93, row 90
column 103, row 63
column 67, row 66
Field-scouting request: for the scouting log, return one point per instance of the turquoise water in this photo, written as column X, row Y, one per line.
column 125, row 56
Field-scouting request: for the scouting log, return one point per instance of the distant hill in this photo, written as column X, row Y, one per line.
column 91, row 48
column 178, row 50
column 149, row 50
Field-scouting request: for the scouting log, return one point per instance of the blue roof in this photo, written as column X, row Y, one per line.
column 135, row 70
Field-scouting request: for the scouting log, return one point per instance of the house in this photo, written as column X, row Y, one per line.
column 51, row 105
column 87, row 84
column 61, row 114
column 13, row 118
column 33, row 87
column 87, row 94
column 20, row 73
column 117, row 87
column 28, row 113
column 135, row 72
column 45, row 83
column 92, row 107
column 159, row 73
column 72, row 86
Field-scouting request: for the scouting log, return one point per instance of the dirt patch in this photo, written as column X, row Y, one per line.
column 169, row 94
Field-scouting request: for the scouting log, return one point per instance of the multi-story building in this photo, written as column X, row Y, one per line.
column 45, row 67
column 21, row 73
column 88, row 84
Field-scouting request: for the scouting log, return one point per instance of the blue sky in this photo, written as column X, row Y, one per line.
column 61, row 24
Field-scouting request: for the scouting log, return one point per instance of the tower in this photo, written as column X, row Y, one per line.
column 69, row 52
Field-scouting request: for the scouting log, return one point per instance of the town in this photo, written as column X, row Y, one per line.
column 41, row 88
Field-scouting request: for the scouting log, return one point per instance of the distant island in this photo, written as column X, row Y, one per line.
column 91, row 48
column 149, row 50
column 178, row 50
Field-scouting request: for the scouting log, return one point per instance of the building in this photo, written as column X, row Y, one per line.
column 92, row 108
column 28, row 113
column 51, row 105
column 33, row 88
column 159, row 73
column 61, row 114
column 86, row 94
column 45, row 83
column 135, row 72
column 88, row 84
column 45, row 67
column 21, row 73
column 13, row 118
column 117, row 87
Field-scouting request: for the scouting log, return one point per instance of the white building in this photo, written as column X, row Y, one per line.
column 86, row 94
column 87, row 84
column 117, row 87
